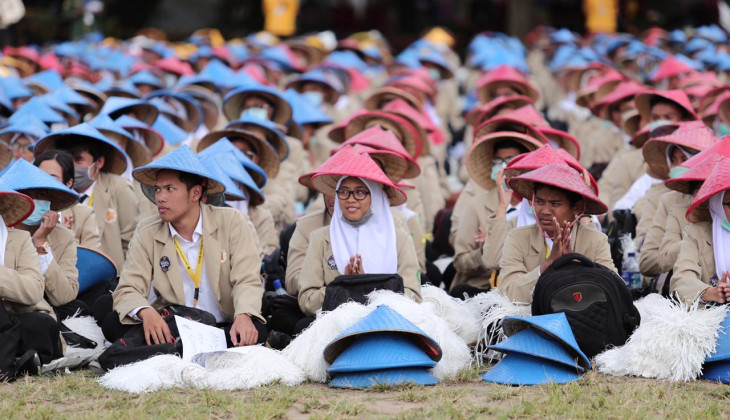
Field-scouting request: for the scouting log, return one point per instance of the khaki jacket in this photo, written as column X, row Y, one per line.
column 428, row 185
column 62, row 277
column 21, row 281
column 467, row 252
column 470, row 190
column 117, row 213
column 524, row 253
column 496, row 229
column 280, row 200
column 414, row 226
column 298, row 246
column 695, row 266
column 645, row 208
column 231, row 262
column 673, row 236
column 625, row 168
column 263, row 222
column 316, row 274
column 84, row 226
column 650, row 262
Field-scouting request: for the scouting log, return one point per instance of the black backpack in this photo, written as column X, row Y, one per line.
column 356, row 287
column 595, row 300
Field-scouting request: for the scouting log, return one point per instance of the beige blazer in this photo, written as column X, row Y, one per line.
column 21, row 287
column 84, row 226
column 117, row 213
column 650, row 261
column 695, row 266
column 467, row 252
column 232, row 265
column 524, row 252
column 62, row 277
column 280, row 200
column 298, row 245
column 496, row 229
column 673, row 235
column 263, row 222
column 470, row 190
column 645, row 208
column 625, row 168
column 428, row 185
column 316, row 273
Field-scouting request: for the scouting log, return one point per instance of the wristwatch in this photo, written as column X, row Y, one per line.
column 43, row 249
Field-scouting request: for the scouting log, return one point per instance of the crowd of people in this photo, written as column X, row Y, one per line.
column 230, row 180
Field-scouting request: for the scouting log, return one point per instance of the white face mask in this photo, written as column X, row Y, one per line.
column 259, row 113
column 58, row 126
column 316, row 98
column 435, row 74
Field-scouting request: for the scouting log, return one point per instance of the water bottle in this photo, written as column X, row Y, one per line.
column 279, row 289
column 630, row 271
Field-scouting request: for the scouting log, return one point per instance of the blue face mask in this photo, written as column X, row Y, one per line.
column 725, row 225
column 315, row 98
column 258, row 113
column 495, row 170
column 722, row 129
column 435, row 75
column 41, row 208
column 677, row 171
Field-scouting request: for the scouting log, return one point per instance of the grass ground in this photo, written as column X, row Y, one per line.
column 79, row 396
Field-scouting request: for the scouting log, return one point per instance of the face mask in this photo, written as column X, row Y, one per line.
column 659, row 123
column 435, row 75
column 722, row 129
column 316, row 98
column 677, row 171
column 58, row 127
column 41, row 208
column 725, row 225
column 495, row 170
column 82, row 179
column 258, row 113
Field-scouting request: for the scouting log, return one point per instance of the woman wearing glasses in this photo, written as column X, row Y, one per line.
column 702, row 270
column 362, row 237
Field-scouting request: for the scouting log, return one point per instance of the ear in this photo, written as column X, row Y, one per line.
column 197, row 192
column 100, row 163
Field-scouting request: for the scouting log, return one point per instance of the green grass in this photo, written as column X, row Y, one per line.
column 462, row 397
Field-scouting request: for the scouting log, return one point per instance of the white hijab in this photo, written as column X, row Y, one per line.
column 720, row 236
column 374, row 240
column 3, row 240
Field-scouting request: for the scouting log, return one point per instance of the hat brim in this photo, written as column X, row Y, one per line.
column 15, row 207
column 387, row 93
column 138, row 153
column 94, row 267
column 380, row 351
column 233, row 106
column 326, row 183
column 523, row 88
column 116, row 165
column 60, row 199
column 530, row 342
column 389, row 121
column 564, row 140
column 147, row 113
column 387, row 377
column 716, row 371
column 479, row 157
column 268, row 158
column 518, row 370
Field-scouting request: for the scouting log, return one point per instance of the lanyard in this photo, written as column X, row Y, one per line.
column 193, row 276
column 547, row 251
column 91, row 200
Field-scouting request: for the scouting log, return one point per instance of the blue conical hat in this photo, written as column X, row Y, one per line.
column 145, row 77
column 531, row 342
column 193, row 112
column 722, row 346
column 122, row 88
column 15, row 88
column 60, row 106
column 15, row 207
column 555, row 325
column 136, row 150
column 172, row 134
column 116, row 164
column 36, row 131
column 47, row 81
column 383, row 318
column 389, row 377
column 384, row 350
column 233, row 103
column 71, row 97
column 181, row 159
column 233, row 169
column 22, row 176
column 41, row 110
column 233, row 193
column 94, row 267
column 151, row 138
column 116, row 106
column 268, row 159
column 518, row 369
column 224, row 146
column 304, row 111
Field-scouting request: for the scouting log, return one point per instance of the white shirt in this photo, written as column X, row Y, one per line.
column 638, row 189
column 88, row 193
column 206, row 299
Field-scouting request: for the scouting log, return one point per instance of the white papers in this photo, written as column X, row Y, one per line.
column 199, row 338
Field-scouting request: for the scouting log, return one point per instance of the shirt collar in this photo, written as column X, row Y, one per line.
column 197, row 233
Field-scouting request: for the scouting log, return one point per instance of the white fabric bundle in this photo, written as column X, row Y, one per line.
column 671, row 343
column 456, row 314
column 76, row 357
column 233, row 369
column 490, row 308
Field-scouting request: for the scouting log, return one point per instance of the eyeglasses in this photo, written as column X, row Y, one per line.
column 500, row 161
column 344, row 194
column 22, row 147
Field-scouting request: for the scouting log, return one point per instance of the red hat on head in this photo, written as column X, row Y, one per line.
column 403, row 129
column 506, row 123
column 710, row 112
column 564, row 140
column 175, row 66
column 362, row 166
column 711, row 96
column 345, row 153
column 670, row 67
column 414, row 83
column 622, row 92
column 381, row 138
column 599, row 86
column 50, row 62
column 721, row 147
column 337, row 132
column 698, row 172
column 558, row 175
column 529, row 115
column 486, row 111
column 643, row 102
column 393, row 164
column 422, row 124
column 504, row 76
column 543, row 156
column 717, row 181
column 390, row 93
column 23, row 51
column 693, row 135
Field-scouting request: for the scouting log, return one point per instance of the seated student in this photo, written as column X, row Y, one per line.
column 39, row 339
column 559, row 196
column 80, row 219
column 55, row 245
column 703, row 267
column 361, row 238
column 225, row 281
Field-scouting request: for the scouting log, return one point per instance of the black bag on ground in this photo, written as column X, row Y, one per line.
column 9, row 340
column 355, row 287
column 595, row 300
column 132, row 347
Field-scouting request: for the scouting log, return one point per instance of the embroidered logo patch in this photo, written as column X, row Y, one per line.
column 577, row 296
column 164, row 264
column 111, row 215
column 331, row 263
